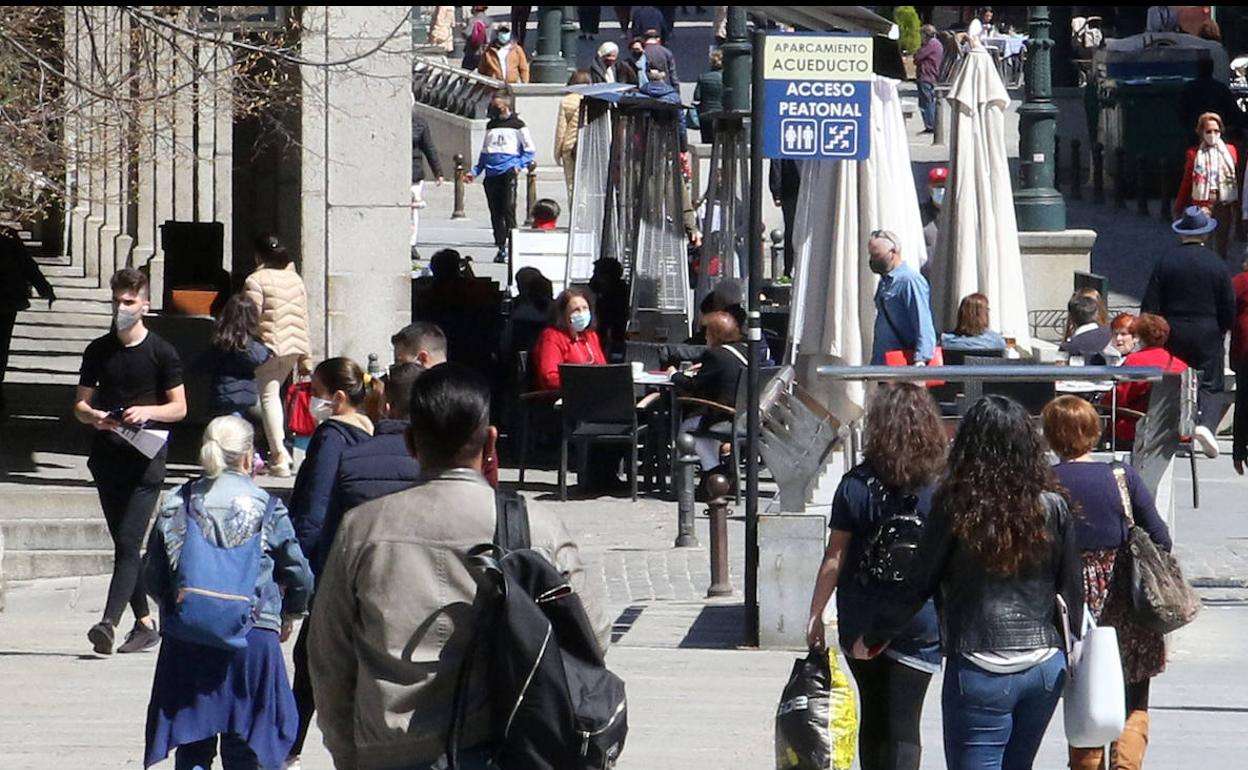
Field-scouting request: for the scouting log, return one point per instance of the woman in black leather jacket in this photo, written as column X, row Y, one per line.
column 999, row 547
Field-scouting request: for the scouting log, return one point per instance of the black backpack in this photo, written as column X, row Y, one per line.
column 892, row 548
column 553, row 703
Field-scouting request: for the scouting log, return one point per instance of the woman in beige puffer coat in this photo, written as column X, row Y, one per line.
column 277, row 289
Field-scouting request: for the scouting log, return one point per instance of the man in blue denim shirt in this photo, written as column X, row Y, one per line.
column 903, row 306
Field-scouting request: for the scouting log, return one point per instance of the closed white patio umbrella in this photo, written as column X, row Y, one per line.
column 840, row 203
column 977, row 246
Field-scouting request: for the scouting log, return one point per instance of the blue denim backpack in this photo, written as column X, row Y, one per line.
column 214, row 586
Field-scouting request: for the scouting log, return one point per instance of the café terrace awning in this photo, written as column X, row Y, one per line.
column 825, row 18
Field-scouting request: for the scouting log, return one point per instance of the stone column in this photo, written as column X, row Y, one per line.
column 77, row 145
column 110, row 40
column 223, row 153
column 356, row 130
column 163, row 148
column 1039, row 205
column 144, row 172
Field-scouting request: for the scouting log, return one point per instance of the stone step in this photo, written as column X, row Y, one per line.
column 89, row 293
column 82, row 281
column 58, row 318
column 101, row 306
column 53, row 362
column 50, row 501
column 33, row 347
column 56, row 534
column 63, row 271
column 47, row 332
column 62, row 260
column 33, row 565
column 40, row 378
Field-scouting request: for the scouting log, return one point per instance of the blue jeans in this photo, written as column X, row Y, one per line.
column 996, row 721
column 235, row 754
column 927, row 104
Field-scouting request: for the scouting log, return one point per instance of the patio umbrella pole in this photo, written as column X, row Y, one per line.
column 755, row 336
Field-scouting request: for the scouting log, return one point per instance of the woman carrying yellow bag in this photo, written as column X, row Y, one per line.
column 878, row 516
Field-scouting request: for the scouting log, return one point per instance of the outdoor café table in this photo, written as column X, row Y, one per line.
column 662, row 383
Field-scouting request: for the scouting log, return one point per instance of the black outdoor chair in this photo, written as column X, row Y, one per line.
column 731, row 428
column 1031, row 395
column 599, row 407
column 948, row 393
column 533, row 407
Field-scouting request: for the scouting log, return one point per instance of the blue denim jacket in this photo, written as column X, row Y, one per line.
column 234, row 508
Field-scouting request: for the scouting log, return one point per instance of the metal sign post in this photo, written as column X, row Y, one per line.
column 810, row 100
column 757, row 39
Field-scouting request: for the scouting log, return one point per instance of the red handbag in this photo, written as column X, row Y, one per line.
column 298, row 409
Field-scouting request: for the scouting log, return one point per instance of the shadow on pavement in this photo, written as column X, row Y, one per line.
column 718, row 627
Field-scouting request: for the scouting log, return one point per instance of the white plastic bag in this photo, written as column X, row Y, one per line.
column 1094, row 700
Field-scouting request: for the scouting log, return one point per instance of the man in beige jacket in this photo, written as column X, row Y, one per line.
column 393, row 613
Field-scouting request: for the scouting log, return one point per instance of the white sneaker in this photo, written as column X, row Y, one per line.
column 1203, row 437
column 292, row 763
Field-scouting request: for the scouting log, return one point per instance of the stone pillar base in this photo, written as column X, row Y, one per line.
column 790, row 550
column 1049, row 263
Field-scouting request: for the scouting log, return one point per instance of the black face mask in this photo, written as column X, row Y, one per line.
column 635, row 54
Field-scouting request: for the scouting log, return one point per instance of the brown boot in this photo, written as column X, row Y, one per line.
column 1087, row 759
column 1131, row 745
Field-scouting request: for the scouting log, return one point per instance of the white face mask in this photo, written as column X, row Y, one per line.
column 321, row 409
column 125, row 320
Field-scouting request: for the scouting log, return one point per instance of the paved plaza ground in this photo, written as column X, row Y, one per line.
column 696, row 699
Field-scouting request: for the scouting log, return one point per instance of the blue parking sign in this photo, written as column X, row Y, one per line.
column 817, row 96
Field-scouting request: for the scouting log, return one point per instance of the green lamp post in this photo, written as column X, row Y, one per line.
column 549, row 65
column 1037, row 203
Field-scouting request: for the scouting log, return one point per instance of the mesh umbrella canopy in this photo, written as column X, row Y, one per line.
column 628, row 205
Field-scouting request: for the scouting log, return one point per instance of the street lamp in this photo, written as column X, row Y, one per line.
column 1037, row 203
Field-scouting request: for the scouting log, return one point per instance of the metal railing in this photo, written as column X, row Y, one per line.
column 456, row 90
column 998, row 373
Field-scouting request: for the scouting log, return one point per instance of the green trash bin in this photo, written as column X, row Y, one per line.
column 1140, row 117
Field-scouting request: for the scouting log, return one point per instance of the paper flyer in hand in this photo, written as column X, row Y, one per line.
column 148, row 442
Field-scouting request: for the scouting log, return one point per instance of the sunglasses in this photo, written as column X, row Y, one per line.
column 884, row 235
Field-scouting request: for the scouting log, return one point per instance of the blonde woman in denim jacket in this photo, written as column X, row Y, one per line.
column 202, row 692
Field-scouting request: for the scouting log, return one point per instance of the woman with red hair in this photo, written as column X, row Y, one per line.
column 1152, row 331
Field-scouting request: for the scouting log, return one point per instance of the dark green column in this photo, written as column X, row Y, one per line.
column 548, row 65
column 569, row 31
column 737, row 62
column 1037, row 202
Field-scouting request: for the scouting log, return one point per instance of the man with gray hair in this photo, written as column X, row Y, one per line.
column 903, row 304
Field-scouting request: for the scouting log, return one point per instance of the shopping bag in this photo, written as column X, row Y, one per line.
column 817, row 720
column 906, row 358
column 1094, row 700
column 298, row 409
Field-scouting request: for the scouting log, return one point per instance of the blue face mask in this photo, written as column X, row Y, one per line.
column 504, row 37
column 579, row 320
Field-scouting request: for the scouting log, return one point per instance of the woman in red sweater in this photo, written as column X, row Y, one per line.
column 570, row 339
column 1152, row 331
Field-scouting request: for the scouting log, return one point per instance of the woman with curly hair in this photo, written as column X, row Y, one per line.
column 999, row 546
column 905, row 451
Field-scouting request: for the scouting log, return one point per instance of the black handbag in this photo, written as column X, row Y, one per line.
column 1161, row 598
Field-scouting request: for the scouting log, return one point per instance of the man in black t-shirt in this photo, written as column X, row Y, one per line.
column 130, row 377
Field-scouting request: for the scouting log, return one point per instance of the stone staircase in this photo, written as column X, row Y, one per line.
column 49, row 513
